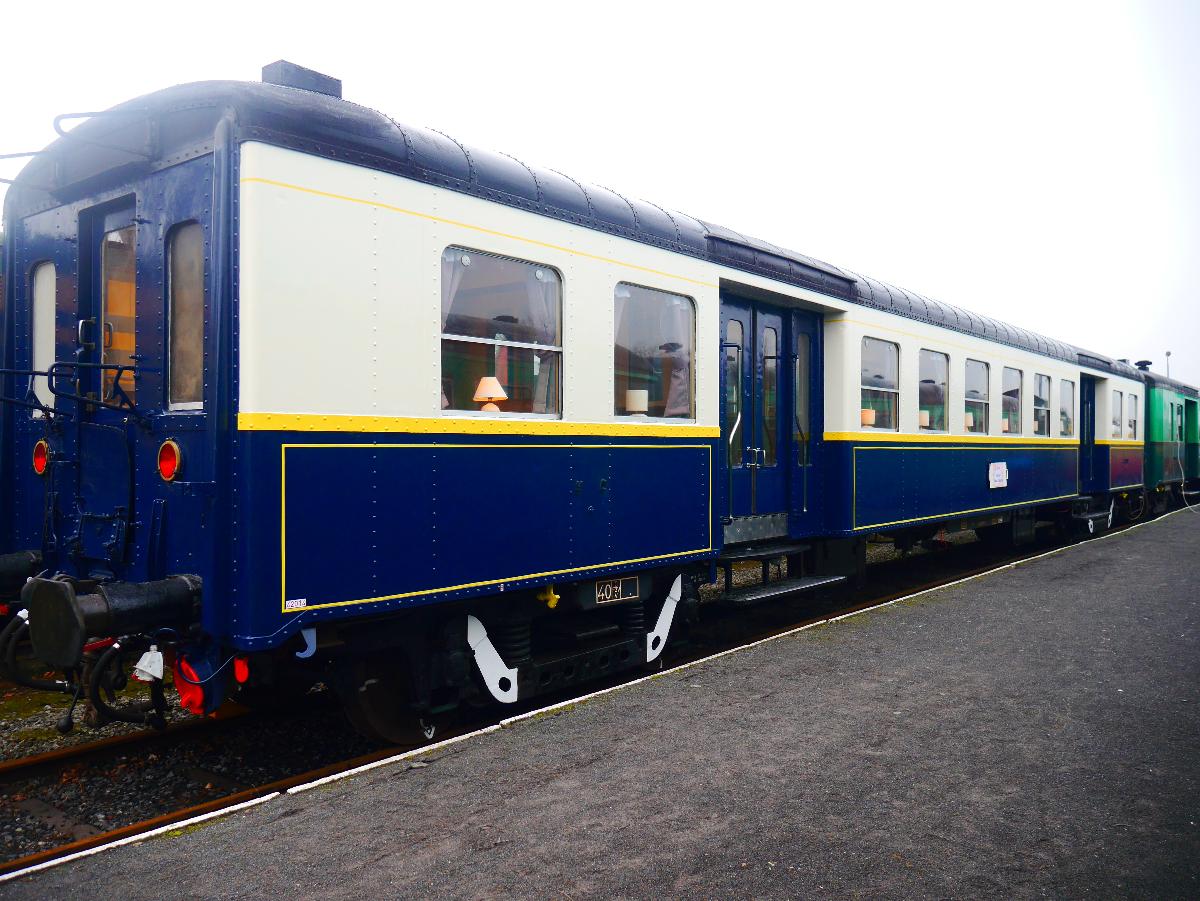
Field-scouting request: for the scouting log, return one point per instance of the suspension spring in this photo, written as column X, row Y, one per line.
column 633, row 619
column 513, row 638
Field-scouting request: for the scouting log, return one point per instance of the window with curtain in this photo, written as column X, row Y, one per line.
column 43, row 286
column 1066, row 408
column 1041, row 404
column 931, row 390
column 1133, row 416
column 653, row 353
column 1117, row 398
column 977, row 391
column 501, row 334
column 1010, row 421
column 880, row 384
column 185, row 287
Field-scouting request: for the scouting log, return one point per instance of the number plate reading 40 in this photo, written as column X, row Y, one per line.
column 610, row 591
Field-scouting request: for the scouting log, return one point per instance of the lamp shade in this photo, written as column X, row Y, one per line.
column 488, row 390
column 969, row 419
column 924, row 416
column 867, row 417
column 637, row 400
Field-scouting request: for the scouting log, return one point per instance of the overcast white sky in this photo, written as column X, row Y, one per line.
column 1036, row 162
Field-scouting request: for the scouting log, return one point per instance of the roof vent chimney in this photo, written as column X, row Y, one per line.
column 292, row 76
column 1143, row 365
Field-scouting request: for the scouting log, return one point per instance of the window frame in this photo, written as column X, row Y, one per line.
column 986, row 403
column 1117, row 413
column 692, row 356
column 443, row 336
column 190, row 406
column 945, row 392
column 893, row 391
column 1131, row 415
column 1020, row 401
column 1061, row 384
column 1049, row 392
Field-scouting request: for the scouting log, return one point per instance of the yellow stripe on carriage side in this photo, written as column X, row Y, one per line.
column 942, row 438
column 463, row 425
column 476, row 228
column 283, row 449
column 1120, row 442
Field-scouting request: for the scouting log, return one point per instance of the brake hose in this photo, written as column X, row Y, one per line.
column 9, row 639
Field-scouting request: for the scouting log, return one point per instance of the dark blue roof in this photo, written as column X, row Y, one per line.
column 186, row 115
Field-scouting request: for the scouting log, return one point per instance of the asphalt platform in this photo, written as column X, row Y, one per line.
column 1035, row 732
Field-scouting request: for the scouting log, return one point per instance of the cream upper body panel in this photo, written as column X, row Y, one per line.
column 340, row 295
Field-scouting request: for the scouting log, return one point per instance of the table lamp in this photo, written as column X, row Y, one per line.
column 487, row 392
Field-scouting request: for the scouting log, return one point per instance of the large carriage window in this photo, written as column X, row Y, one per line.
column 1066, row 408
column 185, row 262
column 880, row 384
column 43, row 284
column 1041, row 404
column 935, row 368
column 1011, row 401
column 1117, row 397
column 119, row 305
column 734, row 347
column 1133, row 416
column 653, row 353
column 1179, row 423
column 501, row 334
column 975, row 413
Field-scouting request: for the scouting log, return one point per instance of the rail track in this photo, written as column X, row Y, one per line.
column 222, row 790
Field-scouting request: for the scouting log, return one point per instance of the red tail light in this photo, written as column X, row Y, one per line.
column 169, row 460
column 41, row 457
column 241, row 670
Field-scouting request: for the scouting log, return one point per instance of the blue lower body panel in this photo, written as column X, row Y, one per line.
column 356, row 526
column 893, row 485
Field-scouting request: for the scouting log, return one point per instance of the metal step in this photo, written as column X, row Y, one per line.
column 756, row 594
column 762, row 551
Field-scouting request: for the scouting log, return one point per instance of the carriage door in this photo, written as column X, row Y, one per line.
column 1088, row 470
column 756, row 422
column 807, row 422
column 106, row 338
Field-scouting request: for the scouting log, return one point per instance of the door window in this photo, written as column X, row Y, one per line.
column 118, row 309
column 1117, row 397
column 734, row 350
column 770, row 395
column 800, row 392
column 44, row 281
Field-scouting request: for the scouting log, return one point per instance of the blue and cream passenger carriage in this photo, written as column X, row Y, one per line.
column 292, row 388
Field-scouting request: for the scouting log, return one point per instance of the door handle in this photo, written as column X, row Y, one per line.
column 83, row 332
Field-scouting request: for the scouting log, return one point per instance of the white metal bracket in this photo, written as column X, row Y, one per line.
column 500, row 679
column 657, row 640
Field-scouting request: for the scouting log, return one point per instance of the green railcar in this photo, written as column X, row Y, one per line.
column 1172, row 435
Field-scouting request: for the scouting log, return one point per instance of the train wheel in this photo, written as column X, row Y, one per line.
column 375, row 694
